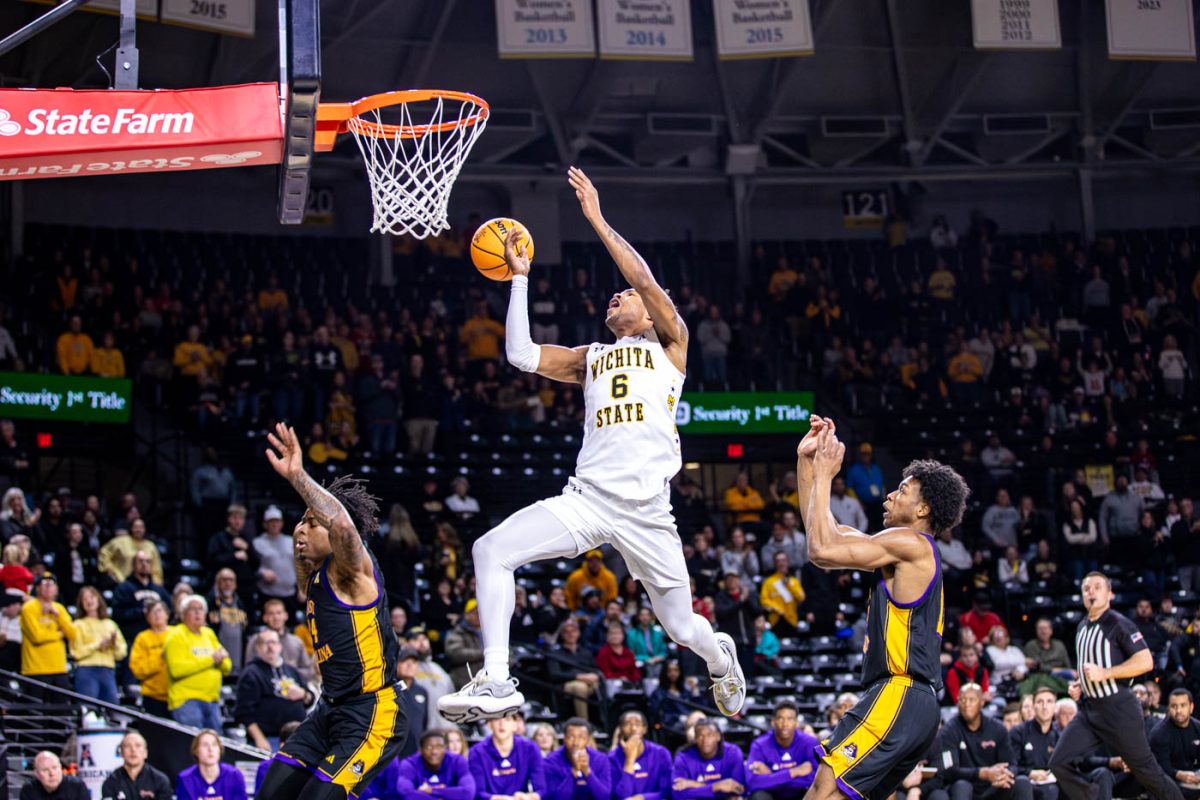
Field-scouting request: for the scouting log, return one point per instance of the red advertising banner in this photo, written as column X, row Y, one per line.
column 52, row 133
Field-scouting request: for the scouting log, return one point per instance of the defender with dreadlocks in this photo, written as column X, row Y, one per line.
column 880, row 740
column 359, row 724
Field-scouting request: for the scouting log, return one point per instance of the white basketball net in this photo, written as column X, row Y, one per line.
column 411, row 176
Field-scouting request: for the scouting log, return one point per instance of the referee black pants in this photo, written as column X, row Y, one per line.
column 1117, row 722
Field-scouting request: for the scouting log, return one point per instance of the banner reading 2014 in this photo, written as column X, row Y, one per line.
column 651, row 30
column 545, row 29
column 763, row 28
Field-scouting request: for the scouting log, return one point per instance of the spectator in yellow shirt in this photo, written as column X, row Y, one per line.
column 591, row 572
column 97, row 647
column 781, row 597
column 74, row 349
column 272, row 298
column 965, row 371
column 743, row 502
column 196, row 664
column 481, row 335
column 46, row 628
column 107, row 361
column 116, row 556
column 192, row 356
column 942, row 283
column 146, row 660
column 782, row 280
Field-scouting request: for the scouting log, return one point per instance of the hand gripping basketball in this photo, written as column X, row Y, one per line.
column 514, row 252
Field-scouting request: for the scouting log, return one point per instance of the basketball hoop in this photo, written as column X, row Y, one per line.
column 413, row 156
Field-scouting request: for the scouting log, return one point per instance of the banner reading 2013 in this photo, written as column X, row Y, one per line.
column 546, row 29
column 651, row 30
column 763, row 29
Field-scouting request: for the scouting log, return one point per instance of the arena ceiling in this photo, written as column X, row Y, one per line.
column 894, row 90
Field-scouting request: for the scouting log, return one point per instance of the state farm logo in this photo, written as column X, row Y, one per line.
column 231, row 159
column 125, row 121
column 8, row 125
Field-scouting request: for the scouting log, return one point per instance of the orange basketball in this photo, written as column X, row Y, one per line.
column 487, row 247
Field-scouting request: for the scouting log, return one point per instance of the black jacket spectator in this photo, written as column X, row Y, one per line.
column 261, row 696
column 563, row 665
column 970, row 751
column 735, row 614
column 223, row 551
column 71, row 788
column 1031, row 746
column 150, row 784
column 129, row 605
column 1177, row 749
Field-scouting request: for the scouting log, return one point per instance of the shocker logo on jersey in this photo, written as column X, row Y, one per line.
column 671, row 403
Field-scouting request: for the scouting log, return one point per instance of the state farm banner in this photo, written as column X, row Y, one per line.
column 545, row 29
column 763, row 28
column 645, row 30
column 48, row 133
column 1161, row 30
column 1016, row 24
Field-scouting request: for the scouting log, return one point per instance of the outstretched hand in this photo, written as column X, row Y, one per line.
column 285, row 452
column 827, row 461
column 586, row 194
column 514, row 252
column 808, row 445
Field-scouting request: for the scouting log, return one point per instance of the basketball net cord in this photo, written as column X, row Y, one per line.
column 411, row 175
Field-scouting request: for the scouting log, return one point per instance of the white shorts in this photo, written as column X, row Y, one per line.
column 642, row 532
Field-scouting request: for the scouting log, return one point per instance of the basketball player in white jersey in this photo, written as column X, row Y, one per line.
column 619, row 494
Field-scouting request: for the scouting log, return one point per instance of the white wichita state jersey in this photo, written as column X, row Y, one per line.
column 630, row 443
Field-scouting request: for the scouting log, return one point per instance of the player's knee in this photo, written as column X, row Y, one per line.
column 283, row 780
column 486, row 550
column 317, row 789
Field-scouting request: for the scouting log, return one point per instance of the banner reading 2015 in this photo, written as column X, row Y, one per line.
column 651, row 30
column 763, row 29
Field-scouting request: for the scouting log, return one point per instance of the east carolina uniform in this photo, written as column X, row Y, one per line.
column 726, row 763
column 359, row 724
column 781, row 761
column 882, row 738
column 630, row 452
column 651, row 776
column 522, row 770
column 564, row 782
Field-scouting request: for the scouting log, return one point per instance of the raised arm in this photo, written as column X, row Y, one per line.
column 833, row 546
column 667, row 323
column 564, row 364
column 349, row 552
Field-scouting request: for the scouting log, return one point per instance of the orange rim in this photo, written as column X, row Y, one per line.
column 334, row 119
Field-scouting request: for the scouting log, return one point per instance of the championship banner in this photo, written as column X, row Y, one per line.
column 744, row 412
column 54, row 133
column 1016, row 24
column 637, row 30
column 763, row 29
column 223, row 16
column 64, row 398
column 1155, row 30
column 545, row 29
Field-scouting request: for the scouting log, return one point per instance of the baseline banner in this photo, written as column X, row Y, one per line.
column 763, row 29
column 545, row 29
column 49, row 133
column 645, row 30
column 65, row 398
column 744, row 412
column 1154, row 30
column 1016, row 25
column 223, row 16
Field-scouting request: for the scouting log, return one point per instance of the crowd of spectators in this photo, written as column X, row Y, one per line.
column 1069, row 342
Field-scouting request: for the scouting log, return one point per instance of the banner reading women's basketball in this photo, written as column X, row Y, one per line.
column 645, row 30
column 763, row 29
column 1016, row 24
column 1162, row 30
column 546, row 29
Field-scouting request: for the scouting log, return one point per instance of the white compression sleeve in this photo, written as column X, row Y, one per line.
column 518, row 345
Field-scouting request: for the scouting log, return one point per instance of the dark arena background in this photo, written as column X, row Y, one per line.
column 963, row 231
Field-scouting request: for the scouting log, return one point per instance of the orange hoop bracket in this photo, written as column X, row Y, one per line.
column 333, row 119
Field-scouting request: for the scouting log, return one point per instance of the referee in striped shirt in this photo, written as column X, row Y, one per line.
column 1109, row 651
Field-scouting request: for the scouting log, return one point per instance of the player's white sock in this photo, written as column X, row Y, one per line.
column 495, row 663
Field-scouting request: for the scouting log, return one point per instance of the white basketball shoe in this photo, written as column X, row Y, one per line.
column 729, row 690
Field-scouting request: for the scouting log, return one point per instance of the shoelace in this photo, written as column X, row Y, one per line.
column 482, row 677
